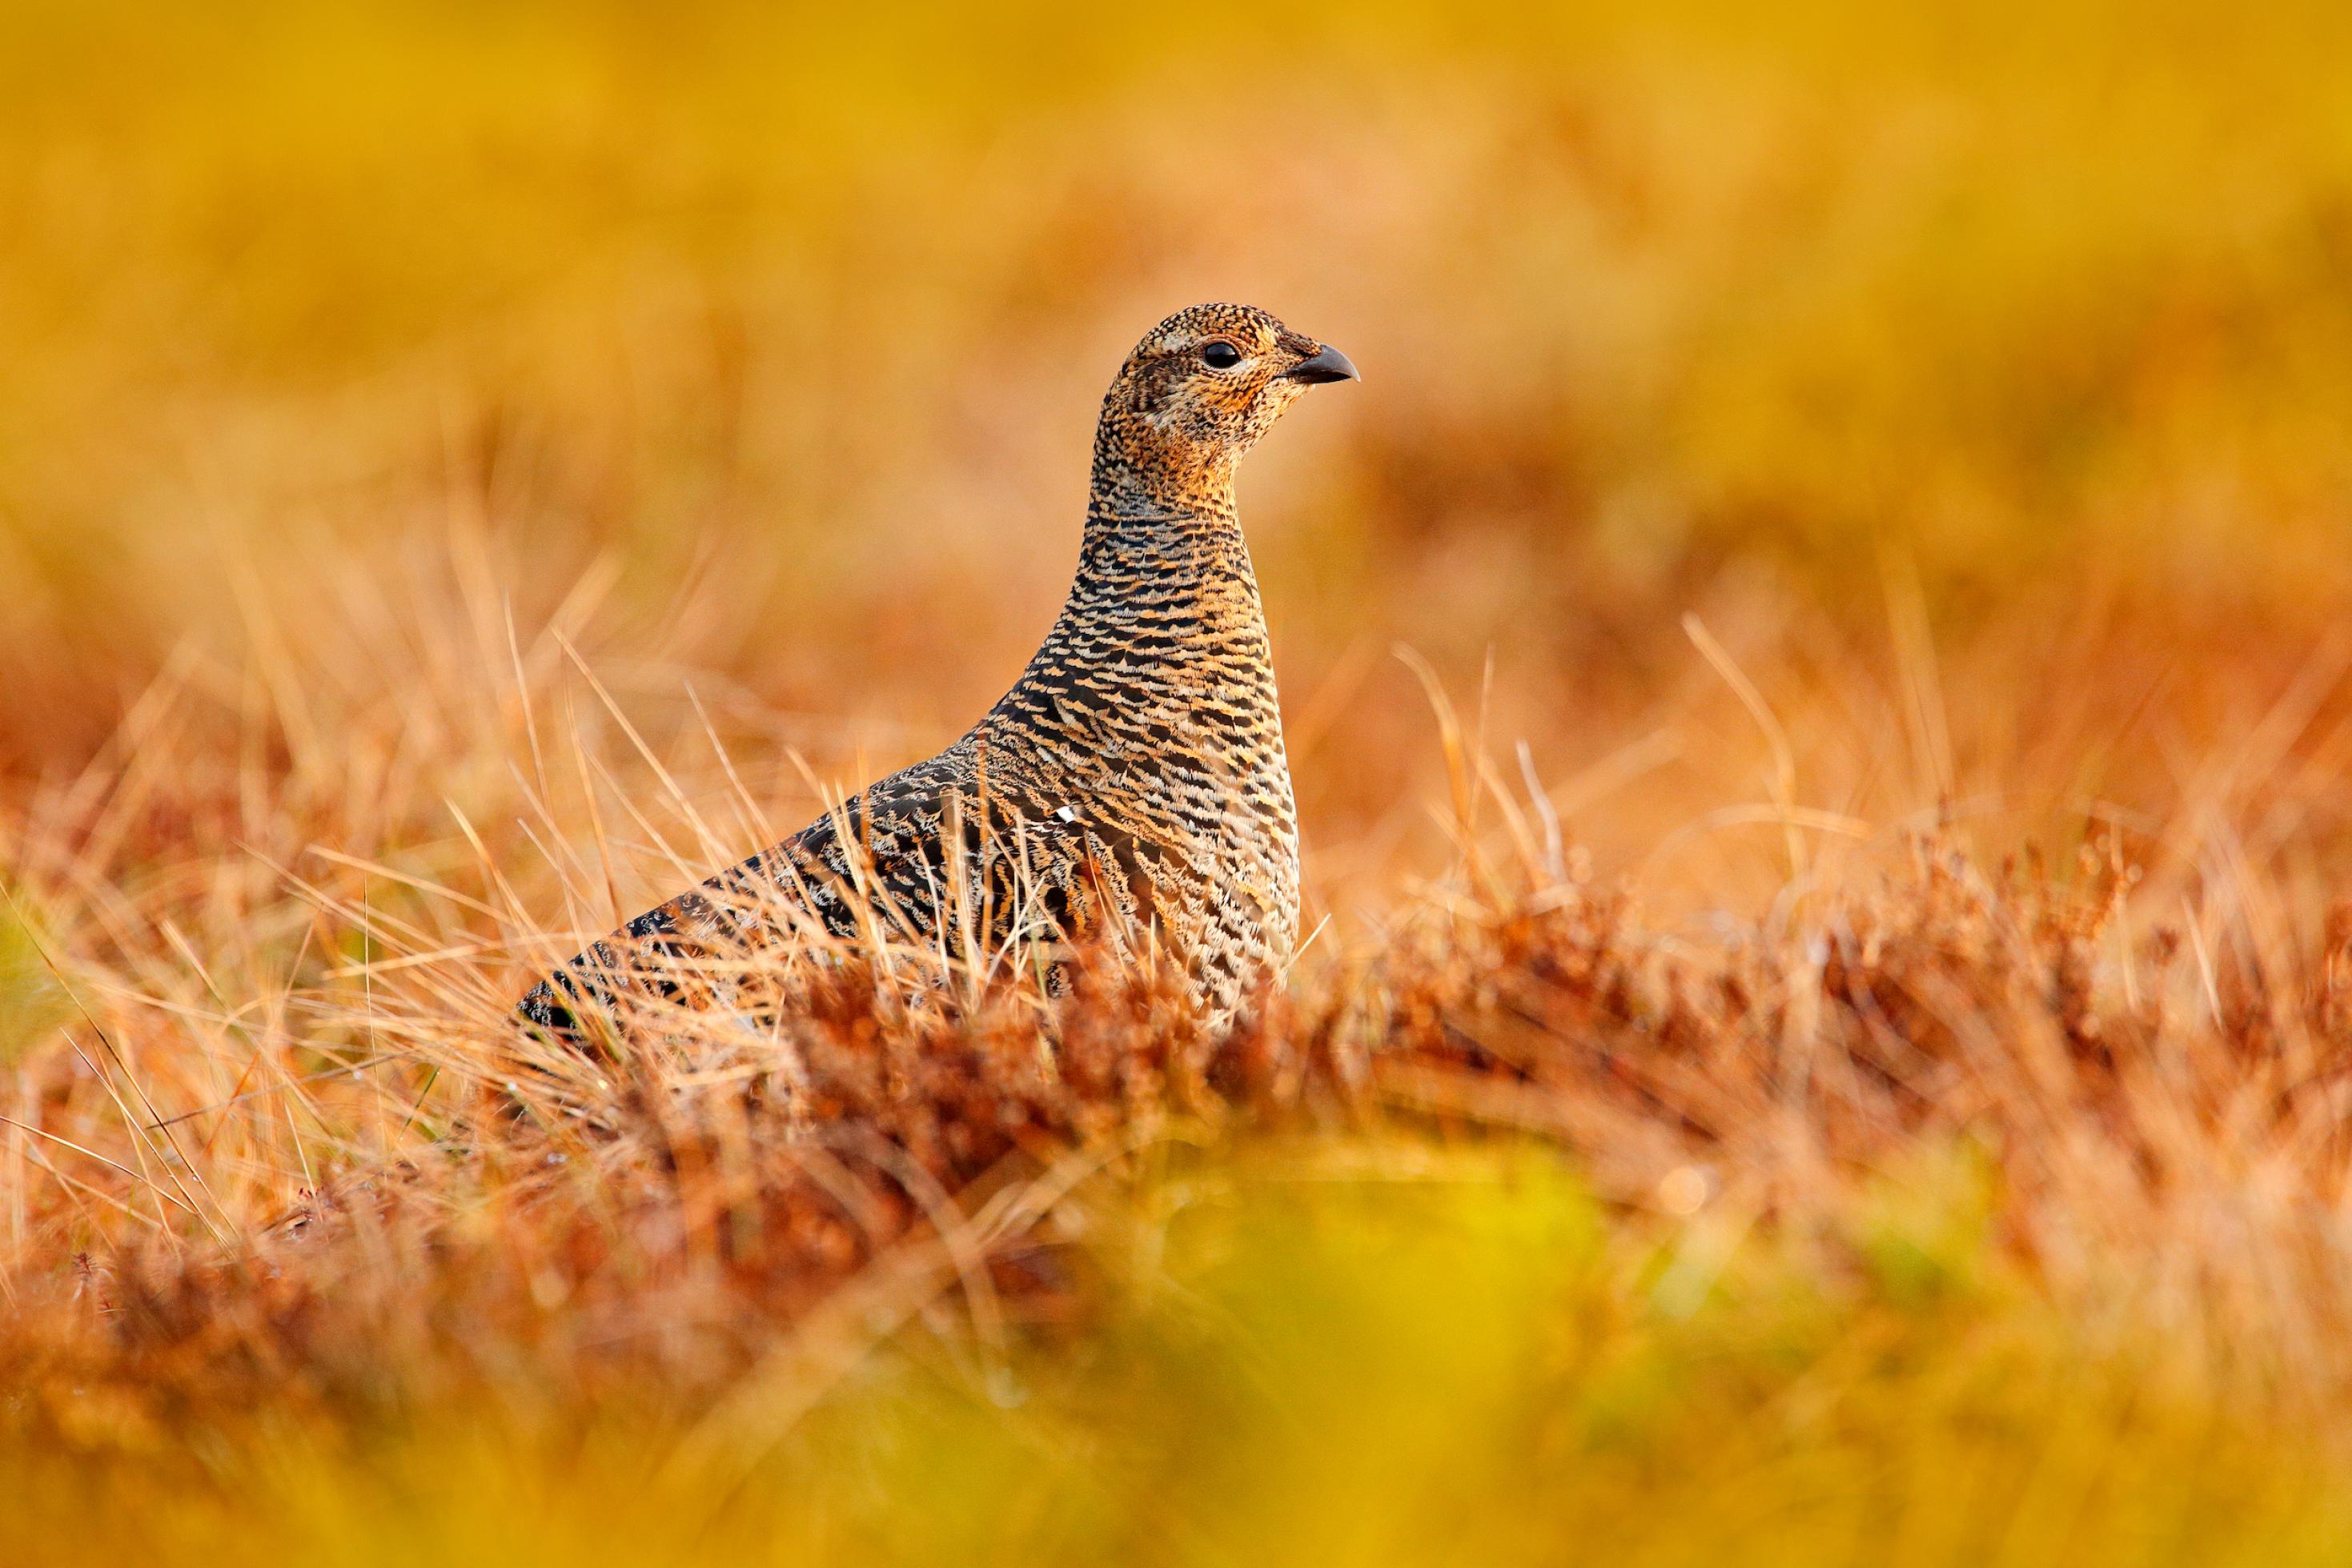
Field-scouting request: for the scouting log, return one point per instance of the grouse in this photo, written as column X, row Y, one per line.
column 1130, row 789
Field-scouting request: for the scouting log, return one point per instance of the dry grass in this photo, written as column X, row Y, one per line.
column 1828, row 1016
column 267, row 1173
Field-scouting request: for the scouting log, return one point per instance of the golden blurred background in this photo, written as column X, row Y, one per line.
column 1979, row 375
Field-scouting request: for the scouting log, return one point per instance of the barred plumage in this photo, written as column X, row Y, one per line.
column 1132, row 788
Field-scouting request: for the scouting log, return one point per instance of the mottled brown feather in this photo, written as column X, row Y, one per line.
column 1132, row 788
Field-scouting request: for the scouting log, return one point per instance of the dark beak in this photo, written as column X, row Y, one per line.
column 1328, row 364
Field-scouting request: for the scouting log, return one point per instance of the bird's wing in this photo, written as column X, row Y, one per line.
column 923, row 852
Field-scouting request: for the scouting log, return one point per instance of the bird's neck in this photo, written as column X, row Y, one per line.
column 1163, row 532
column 1164, row 610
column 1144, row 470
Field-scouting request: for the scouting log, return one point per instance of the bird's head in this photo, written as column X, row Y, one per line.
column 1196, row 393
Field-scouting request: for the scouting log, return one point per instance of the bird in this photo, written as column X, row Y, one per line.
column 1130, row 789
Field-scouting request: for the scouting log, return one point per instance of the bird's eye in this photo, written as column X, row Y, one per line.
column 1219, row 355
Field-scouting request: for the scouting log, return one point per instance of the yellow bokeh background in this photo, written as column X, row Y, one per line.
column 810, row 310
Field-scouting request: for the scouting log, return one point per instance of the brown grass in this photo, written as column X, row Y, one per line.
column 272, row 1136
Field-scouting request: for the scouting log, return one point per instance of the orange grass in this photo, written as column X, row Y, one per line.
column 263, row 1140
